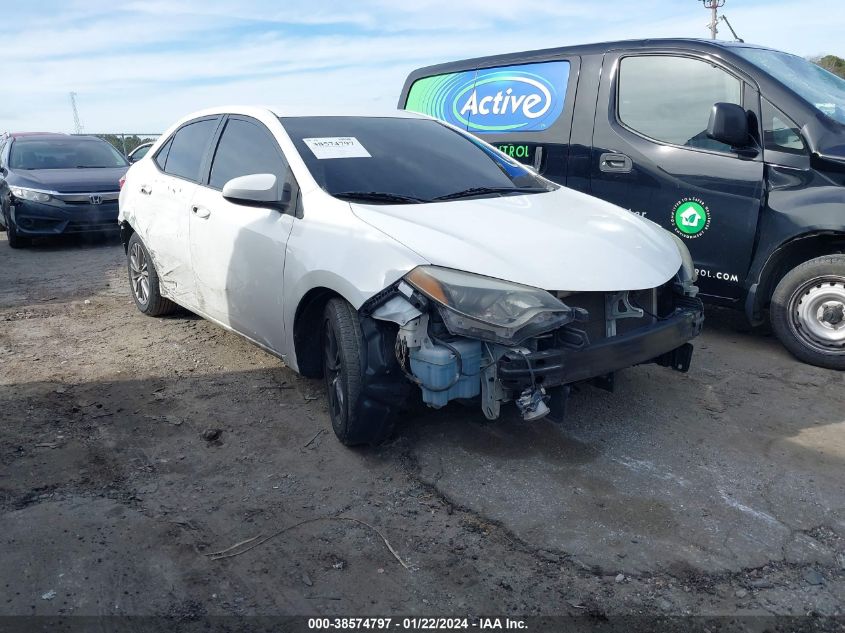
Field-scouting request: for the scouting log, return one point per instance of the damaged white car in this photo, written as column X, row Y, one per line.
column 398, row 257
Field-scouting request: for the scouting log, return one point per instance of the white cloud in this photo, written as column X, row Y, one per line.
column 140, row 65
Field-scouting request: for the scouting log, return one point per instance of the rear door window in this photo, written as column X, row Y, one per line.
column 246, row 148
column 188, row 149
column 669, row 99
column 161, row 155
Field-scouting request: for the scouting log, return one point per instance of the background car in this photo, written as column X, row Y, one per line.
column 56, row 183
column 139, row 152
column 395, row 253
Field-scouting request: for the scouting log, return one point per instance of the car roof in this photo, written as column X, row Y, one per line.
column 23, row 134
column 54, row 136
column 596, row 48
column 288, row 112
column 668, row 42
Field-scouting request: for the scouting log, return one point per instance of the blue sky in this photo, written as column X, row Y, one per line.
column 140, row 65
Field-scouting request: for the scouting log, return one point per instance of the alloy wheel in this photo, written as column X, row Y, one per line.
column 333, row 369
column 139, row 274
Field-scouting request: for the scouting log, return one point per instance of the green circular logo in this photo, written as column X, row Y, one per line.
column 691, row 218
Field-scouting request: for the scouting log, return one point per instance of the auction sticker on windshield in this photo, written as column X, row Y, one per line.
column 336, row 147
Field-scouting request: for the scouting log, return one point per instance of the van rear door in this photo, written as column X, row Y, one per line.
column 524, row 109
column 651, row 155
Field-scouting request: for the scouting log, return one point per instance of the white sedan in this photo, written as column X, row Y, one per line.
column 396, row 254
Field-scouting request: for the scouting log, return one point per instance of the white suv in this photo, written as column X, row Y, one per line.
column 393, row 254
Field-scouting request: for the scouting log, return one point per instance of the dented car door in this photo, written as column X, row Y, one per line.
column 164, row 205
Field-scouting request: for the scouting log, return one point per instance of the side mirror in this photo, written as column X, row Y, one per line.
column 257, row 189
column 728, row 124
column 131, row 159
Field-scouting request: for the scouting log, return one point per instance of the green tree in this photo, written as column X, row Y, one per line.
column 131, row 140
column 834, row 64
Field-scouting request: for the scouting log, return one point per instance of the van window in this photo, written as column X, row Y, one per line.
column 245, row 148
column 780, row 133
column 669, row 99
column 520, row 98
column 188, row 149
column 824, row 90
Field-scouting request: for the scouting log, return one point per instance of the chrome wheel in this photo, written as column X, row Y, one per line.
column 139, row 274
column 817, row 314
column 333, row 369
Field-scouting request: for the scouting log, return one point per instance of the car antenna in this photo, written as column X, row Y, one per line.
column 736, row 37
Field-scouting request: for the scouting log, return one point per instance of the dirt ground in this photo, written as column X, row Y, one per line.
column 721, row 491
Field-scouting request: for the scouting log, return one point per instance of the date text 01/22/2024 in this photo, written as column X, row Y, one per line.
column 419, row 623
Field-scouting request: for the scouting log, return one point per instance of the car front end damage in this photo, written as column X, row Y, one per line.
column 461, row 336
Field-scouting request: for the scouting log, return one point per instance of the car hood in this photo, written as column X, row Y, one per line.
column 71, row 180
column 561, row 240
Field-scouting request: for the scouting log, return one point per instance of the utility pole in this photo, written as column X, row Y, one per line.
column 714, row 6
column 77, row 125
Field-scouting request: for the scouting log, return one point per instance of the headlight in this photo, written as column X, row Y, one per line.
column 30, row 194
column 489, row 309
column 687, row 265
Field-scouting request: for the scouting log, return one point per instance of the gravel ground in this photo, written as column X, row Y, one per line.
column 134, row 447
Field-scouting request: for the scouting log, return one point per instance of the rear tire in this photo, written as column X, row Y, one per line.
column 143, row 280
column 808, row 311
column 343, row 368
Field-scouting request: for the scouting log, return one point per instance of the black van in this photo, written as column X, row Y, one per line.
column 737, row 149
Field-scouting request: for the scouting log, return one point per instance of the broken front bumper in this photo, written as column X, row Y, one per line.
column 664, row 342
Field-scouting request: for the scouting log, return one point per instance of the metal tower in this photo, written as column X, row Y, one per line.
column 714, row 6
column 77, row 124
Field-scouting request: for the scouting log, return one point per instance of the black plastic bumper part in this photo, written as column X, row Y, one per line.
column 664, row 342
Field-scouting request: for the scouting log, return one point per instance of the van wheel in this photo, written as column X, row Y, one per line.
column 808, row 311
column 343, row 367
column 143, row 280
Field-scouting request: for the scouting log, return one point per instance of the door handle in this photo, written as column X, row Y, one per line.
column 615, row 162
column 200, row 212
column 146, row 190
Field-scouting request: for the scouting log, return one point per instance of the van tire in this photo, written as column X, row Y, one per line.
column 806, row 311
column 343, row 361
column 148, row 300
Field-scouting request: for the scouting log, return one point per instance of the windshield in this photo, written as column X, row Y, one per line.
column 821, row 88
column 64, row 154
column 399, row 161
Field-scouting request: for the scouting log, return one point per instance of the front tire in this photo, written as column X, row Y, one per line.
column 143, row 280
column 808, row 311
column 12, row 235
column 343, row 369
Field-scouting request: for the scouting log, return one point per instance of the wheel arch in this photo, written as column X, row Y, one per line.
column 307, row 330
column 126, row 231
column 785, row 257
